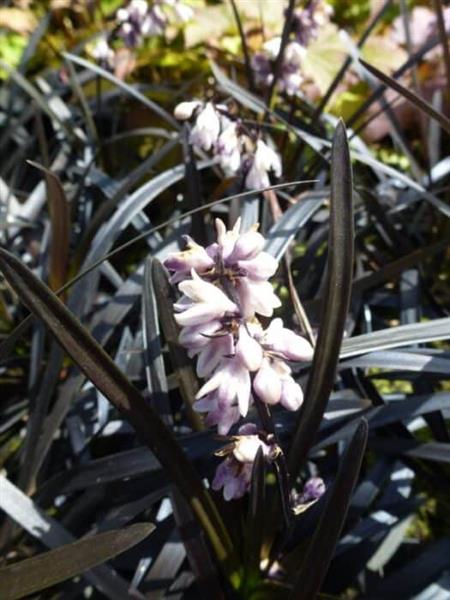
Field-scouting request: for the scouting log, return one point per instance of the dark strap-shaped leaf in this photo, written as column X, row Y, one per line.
column 321, row 549
column 154, row 362
column 411, row 96
column 182, row 364
column 131, row 91
column 60, row 221
column 34, row 574
column 255, row 519
column 336, row 301
column 99, row 368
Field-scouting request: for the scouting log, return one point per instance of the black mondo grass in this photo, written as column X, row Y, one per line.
column 132, row 143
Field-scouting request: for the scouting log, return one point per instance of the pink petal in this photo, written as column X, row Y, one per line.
column 261, row 267
column 247, row 246
column 248, row 350
column 267, row 384
column 291, row 394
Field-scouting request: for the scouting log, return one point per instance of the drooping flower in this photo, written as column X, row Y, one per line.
column 228, row 148
column 265, row 161
column 103, row 53
column 223, row 415
column 139, row 19
column 273, row 382
column 193, row 256
column 285, row 343
column 312, row 491
column 231, row 385
column 237, row 149
column 206, row 130
column 233, row 475
column 184, row 110
column 135, row 22
column 290, row 77
column 201, row 302
column 307, row 21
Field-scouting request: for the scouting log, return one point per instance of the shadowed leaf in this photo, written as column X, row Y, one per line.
column 182, row 364
column 40, row 572
column 255, row 519
column 321, row 549
column 59, row 209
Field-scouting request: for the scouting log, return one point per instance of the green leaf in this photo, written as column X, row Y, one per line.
column 324, row 57
column 320, row 552
column 385, row 53
column 335, row 305
column 101, row 370
column 40, row 572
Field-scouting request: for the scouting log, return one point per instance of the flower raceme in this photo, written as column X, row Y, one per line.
column 224, row 290
column 238, row 150
column 306, row 23
column 139, row 19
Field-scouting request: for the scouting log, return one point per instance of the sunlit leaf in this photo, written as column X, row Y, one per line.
column 324, row 57
column 336, row 301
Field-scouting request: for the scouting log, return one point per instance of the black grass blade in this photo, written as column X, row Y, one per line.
column 35, row 574
column 59, row 210
column 411, row 96
column 336, row 301
column 183, row 366
column 255, row 519
column 321, row 549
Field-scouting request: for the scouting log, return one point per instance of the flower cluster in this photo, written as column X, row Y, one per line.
column 225, row 288
column 137, row 21
column 305, row 27
column 239, row 151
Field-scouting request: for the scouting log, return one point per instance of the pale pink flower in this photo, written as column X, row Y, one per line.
column 206, row 130
column 285, row 342
column 224, row 416
column 202, row 302
column 193, row 256
column 184, row 110
column 103, row 53
column 228, row 148
column 312, row 491
column 235, row 472
column 236, row 258
column 265, row 161
column 231, row 384
column 273, row 384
